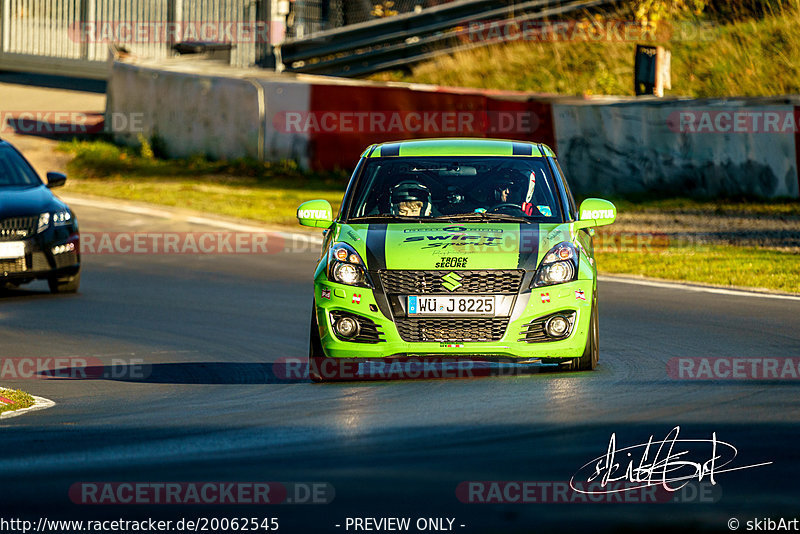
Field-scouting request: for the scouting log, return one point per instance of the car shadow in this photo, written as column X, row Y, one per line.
column 50, row 81
column 284, row 371
column 207, row 373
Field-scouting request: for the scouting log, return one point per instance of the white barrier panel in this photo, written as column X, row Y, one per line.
column 190, row 113
column 696, row 147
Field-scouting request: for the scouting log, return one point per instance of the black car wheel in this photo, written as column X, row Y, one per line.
column 591, row 354
column 315, row 354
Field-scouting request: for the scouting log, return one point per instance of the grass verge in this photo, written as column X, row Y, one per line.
column 270, row 193
column 711, row 57
column 710, row 264
column 13, row 399
column 264, row 192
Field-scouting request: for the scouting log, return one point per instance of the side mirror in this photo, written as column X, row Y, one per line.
column 315, row 213
column 596, row 212
column 56, row 179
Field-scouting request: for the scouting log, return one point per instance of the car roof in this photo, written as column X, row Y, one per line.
column 460, row 146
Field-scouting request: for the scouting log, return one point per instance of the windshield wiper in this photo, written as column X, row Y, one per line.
column 385, row 217
column 487, row 216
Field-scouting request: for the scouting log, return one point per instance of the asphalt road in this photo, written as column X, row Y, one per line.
column 210, row 407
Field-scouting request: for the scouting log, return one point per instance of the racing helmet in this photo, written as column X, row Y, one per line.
column 512, row 181
column 410, row 191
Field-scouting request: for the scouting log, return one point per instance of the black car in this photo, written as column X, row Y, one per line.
column 39, row 237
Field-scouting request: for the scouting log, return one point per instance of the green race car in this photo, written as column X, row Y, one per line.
column 456, row 248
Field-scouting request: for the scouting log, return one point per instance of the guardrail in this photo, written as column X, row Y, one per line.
column 402, row 40
column 73, row 36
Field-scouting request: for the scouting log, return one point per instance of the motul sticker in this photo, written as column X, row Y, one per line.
column 325, row 293
column 579, row 294
column 545, row 297
column 356, row 299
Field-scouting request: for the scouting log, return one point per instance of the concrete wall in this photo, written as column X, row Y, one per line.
column 679, row 147
column 605, row 146
column 191, row 113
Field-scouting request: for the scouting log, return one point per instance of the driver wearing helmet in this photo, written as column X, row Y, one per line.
column 509, row 191
column 410, row 198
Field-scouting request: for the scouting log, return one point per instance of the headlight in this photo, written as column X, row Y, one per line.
column 345, row 266
column 62, row 218
column 44, row 222
column 559, row 265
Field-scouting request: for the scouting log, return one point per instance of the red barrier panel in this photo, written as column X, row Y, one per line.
column 344, row 119
column 797, row 144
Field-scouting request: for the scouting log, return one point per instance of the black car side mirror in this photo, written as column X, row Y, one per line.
column 56, row 179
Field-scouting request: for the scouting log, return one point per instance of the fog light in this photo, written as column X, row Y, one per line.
column 347, row 327
column 557, row 326
column 61, row 249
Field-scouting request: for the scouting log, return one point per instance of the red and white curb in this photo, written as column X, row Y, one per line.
column 40, row 403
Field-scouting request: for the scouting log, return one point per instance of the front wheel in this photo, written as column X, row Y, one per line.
column 591, row 354
column 65, row 284
column 315, row 353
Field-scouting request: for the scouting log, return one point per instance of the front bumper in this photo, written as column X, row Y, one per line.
column 53, row 253
column 515, row 337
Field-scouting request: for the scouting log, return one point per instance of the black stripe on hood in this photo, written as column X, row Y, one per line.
column 376, row 261
column 376, row 247
column 528, row 246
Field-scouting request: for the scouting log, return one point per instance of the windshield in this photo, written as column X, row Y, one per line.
column 14, row 171
column 435, row 188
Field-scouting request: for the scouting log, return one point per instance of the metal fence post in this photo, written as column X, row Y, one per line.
column 5, row 26
column 175, row 23
column 266, row 13
column 87, row 16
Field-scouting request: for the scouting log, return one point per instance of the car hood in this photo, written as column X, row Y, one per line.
column 27, row 201
column 429, row 246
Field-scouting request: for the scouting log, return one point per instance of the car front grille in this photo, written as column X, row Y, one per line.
column 464, row 282
column 14, row 228
column 11, row 266
column 452, row 329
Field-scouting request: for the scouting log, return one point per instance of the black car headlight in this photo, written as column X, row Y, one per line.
column 62, row 218
column 44, row 222
column 560, row 265
column 58, row 218
column 345, row 266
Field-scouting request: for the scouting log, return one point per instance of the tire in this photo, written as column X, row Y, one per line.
column 65, row 284
column 591, row 354
column 315, row 353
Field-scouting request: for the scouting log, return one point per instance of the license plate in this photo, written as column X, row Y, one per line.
column 444, row 305
column 12, row 249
